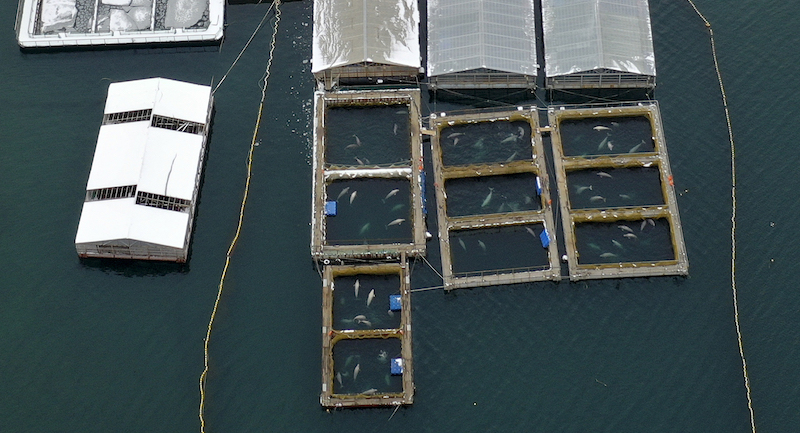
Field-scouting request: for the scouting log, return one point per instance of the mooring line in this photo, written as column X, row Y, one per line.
column 425, row 289
column 266, row 14
column 203, row 375
column 733, row 218
column 432, row 268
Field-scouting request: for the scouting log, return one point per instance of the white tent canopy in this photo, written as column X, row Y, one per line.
column 348, row 32
column 590, row 35
column 165, row 97
column 466, row 35
column 144, row 176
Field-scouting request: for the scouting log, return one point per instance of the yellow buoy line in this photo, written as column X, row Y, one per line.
column 733, row 218
column 204, row 375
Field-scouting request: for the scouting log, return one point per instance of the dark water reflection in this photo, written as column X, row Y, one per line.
column 486, row 142
column 372, row 357
column 615, row 188
column 606, row 136
column 624, row 241
column 491, row 249
column 348, row 308
column 371, row 135
column 492, row 194
column 374, row 215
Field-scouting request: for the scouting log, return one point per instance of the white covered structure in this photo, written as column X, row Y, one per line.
column 482, row 43
column 598, row 44
column 365, row 39
column 71, row 23
column 142, row 189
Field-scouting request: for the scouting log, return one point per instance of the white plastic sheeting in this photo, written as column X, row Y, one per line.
column 587, row 35
column 123, row 219
column 348, row 32
column 157, row 160
column 465, row 35
column 167, row 98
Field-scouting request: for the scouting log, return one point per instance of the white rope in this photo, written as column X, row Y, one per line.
column 274, row 4
column 432, row 268
column 733, row 220
column 425, row 289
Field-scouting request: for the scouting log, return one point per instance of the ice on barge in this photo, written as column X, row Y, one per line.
column 145, row 176
column 74, row 23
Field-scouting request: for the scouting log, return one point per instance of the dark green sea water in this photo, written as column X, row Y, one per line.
column 93, row 347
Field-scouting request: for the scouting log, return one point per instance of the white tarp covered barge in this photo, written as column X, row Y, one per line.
column 592, row 44
column 69, row 23
column 482, row 44
column 365, row 39
column 142, row 189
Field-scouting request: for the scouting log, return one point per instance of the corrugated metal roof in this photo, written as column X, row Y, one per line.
column 347, row 32
column 481, row 34
column 584, row 35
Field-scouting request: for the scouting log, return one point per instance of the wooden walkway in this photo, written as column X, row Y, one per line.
column 536, row 166
column 669, row 211
column 331, row 335
column 324, row 174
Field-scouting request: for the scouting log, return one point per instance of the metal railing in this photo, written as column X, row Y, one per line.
column 499, row 272
column 601, row 80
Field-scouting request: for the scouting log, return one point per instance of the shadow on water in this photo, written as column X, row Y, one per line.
column 498, row 248
column 483, row 98
column 363, row 366
column 367, row 135
column 492, row 194
column 606, row 136
column 615, row 188
column 589, row 96
column 647, row 240
column 486, row 143
column 369, row 211
column 148, row 48
column 350, row 309
column 135, row 268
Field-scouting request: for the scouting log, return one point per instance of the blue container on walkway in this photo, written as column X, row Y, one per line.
column 330, row 208
column 394, row 303
column 397, row 366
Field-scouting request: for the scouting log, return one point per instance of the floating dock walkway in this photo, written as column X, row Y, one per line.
column 605, row 227
column 349, row 187
column 366, row 357
column 492, row 152
column 368, row 205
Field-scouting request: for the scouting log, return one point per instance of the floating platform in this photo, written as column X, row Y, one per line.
column 366, row 336
column 142, row 189
column 365, row 42
column 368, row 196
column 496, row 223
column 75, row 23
column 618, row 201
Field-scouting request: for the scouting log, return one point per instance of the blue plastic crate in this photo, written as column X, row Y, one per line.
column 397, row 366
column 394, row 303
column 545, row 238
column 330, row 208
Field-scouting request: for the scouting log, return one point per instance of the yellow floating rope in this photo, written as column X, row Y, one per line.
column 733, row 219
column 204, row 375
